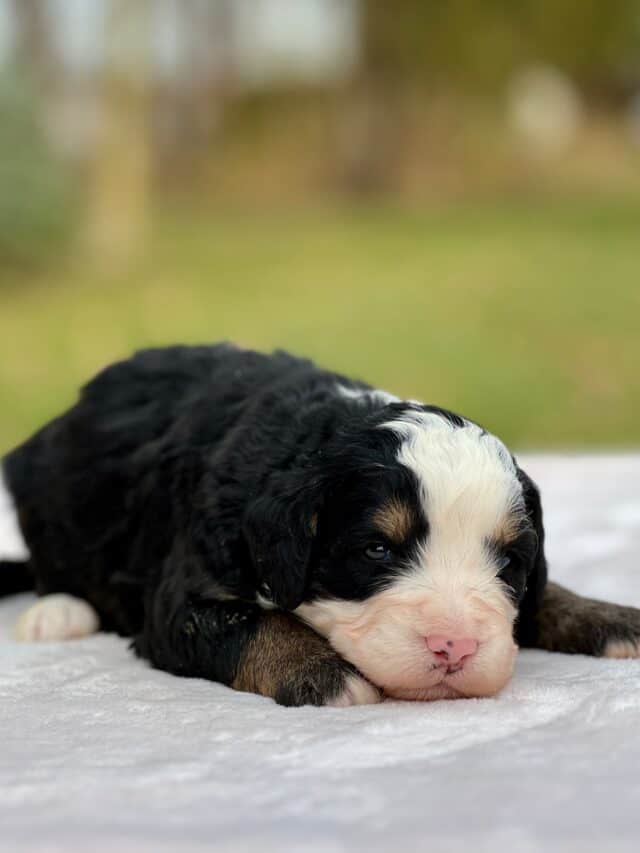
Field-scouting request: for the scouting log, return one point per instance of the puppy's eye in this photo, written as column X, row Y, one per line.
column 504, row 562
column 378, row 552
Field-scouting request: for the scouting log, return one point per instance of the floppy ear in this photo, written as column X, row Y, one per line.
column 537, row 580
column 279, row 529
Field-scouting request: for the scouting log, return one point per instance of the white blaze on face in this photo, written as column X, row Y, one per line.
column 471, row 496
column 367, row 395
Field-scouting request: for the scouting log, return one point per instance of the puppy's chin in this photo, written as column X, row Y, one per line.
column 423, row 694
column 477, row 682
column 385, row 638
column 484, row 676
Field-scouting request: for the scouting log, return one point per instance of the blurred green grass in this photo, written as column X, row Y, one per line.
column 524, row 317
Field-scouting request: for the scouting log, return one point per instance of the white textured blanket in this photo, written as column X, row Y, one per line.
column 98, row 752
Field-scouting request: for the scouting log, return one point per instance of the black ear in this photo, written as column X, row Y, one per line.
column 279, row 529
column 537, row 579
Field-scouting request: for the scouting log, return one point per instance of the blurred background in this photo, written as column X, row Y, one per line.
column 442, row 198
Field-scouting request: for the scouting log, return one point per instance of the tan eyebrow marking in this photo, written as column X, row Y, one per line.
column 395, row 520
column 508, row 529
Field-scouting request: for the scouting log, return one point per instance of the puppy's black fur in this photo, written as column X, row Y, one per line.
column 190, row 485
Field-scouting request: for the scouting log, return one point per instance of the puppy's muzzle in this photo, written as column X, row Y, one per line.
column 451, row 653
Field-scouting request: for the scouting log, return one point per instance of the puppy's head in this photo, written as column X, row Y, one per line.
column 408, row 544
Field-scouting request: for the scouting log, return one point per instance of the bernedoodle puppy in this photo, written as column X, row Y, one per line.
column 257, row 521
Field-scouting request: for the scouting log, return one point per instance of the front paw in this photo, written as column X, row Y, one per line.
column 622, row 649
column 356, row 691
column 327, row 682
column 569, row 623
column 616, row 631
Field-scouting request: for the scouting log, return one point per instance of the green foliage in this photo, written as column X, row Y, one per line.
column 35, row 189
column 524, row 317
column 479, row 44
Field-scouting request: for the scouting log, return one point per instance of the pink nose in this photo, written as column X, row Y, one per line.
column 451, row 650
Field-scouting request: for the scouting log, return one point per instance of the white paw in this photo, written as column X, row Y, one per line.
column 357, row 691
column 622, row 649
column 57, row 617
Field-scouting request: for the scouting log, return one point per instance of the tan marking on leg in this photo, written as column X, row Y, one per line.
column 280, row 648
column 285, row 654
